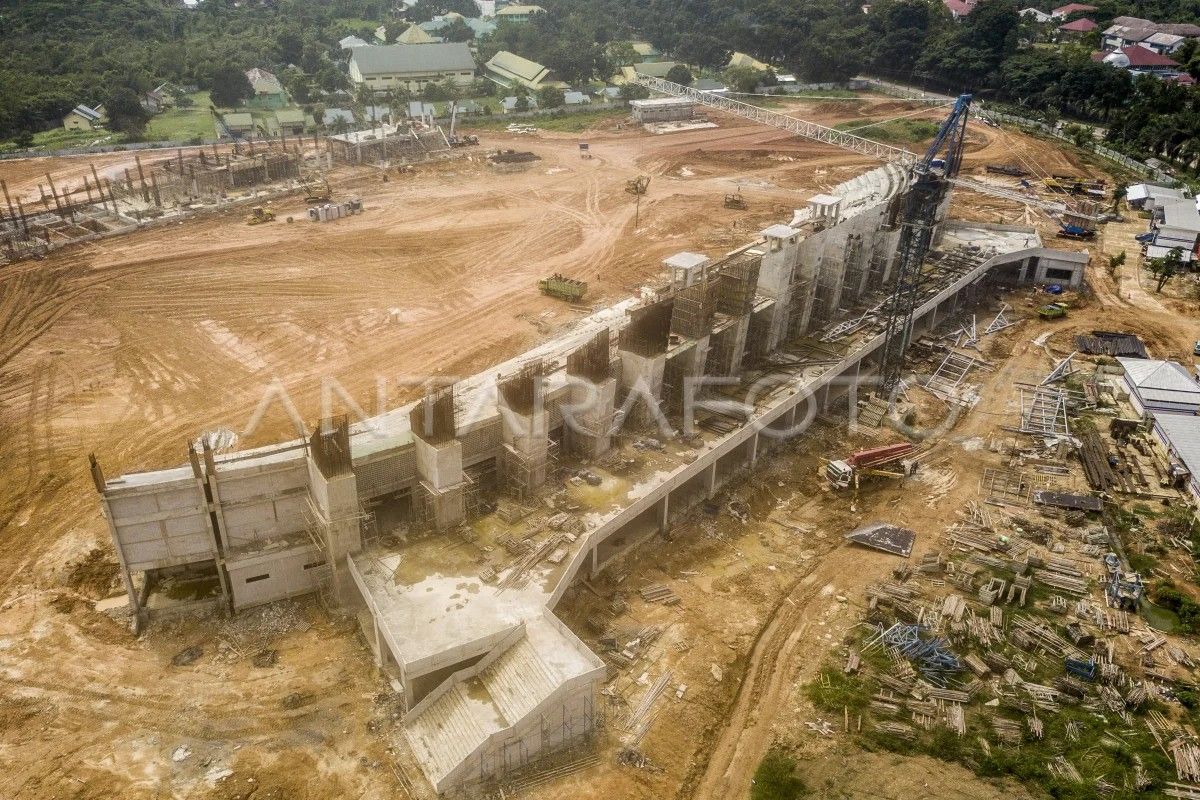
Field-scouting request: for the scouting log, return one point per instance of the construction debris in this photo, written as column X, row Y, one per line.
column 884, row 536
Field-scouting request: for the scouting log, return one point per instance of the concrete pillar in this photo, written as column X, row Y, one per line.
column 589, row 427
column 664, row 513
column 439, row 466
column 712, row 480
column 643, row 375
column 526, row 443
column 754, row 450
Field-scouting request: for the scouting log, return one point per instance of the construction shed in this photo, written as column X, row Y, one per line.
column 662, row 109
column 1160, row 388
column 1180, row 437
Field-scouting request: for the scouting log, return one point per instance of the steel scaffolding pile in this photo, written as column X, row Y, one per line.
column 1043, row 411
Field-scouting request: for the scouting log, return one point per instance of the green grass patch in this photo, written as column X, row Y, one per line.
column 896, row 131
column 834, row 690
column 61, row 138
column 181, row 124
column 569, row 122
column 776, row 778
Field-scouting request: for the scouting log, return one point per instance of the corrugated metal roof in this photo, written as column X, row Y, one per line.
column 1182, row 432
column 1151, row 374
column 512, row 64
column 399, row 58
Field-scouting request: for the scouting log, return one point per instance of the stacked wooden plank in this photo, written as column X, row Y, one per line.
column 659, row 593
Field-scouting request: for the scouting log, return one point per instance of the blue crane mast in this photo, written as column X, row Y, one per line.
column 928, row 189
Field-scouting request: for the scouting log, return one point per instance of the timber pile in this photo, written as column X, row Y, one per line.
column 659, row 594
column 1095, row 462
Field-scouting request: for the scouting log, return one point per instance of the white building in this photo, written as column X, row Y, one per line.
column 1160, row 388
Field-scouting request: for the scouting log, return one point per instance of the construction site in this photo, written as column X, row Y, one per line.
column 551, row 475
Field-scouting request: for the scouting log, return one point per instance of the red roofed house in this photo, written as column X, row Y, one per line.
column 959, row 8
column 1078, row 28
column 1140, row 60
column 1070, row 8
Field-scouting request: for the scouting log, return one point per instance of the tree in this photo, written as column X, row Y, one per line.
column 1165, row 267
column 742, row 79
column 1081, row 135
column 1119, row 192
column 125, row 112
column 456, row 31
column 703, row 50
column 522, row 103
column 229, row 87
column 632, row 91
column 622, row 54
column 680, row 74
column 551, row 97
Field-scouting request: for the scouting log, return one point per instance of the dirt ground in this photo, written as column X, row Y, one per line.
column 130, row 346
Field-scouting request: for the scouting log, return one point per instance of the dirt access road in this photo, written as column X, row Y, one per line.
column 131, row 346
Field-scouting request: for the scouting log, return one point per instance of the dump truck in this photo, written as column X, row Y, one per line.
column 1052, row 311
column 258, row 215
column 563, row 288
column 735, row 200
column 892, row 460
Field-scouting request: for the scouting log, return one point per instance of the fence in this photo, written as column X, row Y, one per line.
column 1133, row 165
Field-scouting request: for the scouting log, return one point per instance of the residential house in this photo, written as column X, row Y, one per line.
column 334, row 116
column 290, row 121
column 268, row 91
column 381, row 34
column 478, row 26
column 375, row 114
column 509, row 104
column 1140, row 61
column 510, row 69
column 236, row 124
column 83, row 118
column 382, row 67
column 1077, row 28
column 576, row 98
column 646, row 52
column 518, row 13
column 609, row 94
column 959, row 8
column 1038, row 16
column 710, row 86
column 1062, row 12
column 351, row 42
column 159, row 99
column 655, row 69
column 421, row 110
column 415, row 35
column 1164, row 38
column 743, row 60
column 469, row 107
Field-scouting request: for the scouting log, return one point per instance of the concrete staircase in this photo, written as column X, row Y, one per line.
column 452, row 729
column 519, row 680
column 447, row 732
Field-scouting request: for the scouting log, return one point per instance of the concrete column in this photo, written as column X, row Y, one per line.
column 664, row 514
column 712, row 479
column 527, row 445
column 823, row 404
column 439, row 466
column 592, row 408
column 754, row 450
column 643, row 374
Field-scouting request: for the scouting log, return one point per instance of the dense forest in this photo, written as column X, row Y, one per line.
column 62, row 52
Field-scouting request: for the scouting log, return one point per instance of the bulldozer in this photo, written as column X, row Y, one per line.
column 317, row 192
column 638, row 185
column 735, row 201
column 258, row 215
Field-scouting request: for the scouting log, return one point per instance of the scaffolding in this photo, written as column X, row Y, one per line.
column 1043, row 411
column 692, row 314
column 526, row 472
